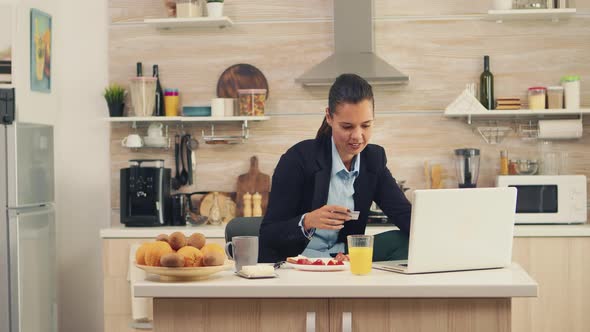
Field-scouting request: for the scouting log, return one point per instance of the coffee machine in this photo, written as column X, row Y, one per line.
column 145, row 193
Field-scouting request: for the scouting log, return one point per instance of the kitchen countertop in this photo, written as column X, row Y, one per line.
column 495, row 283
column 121, row 232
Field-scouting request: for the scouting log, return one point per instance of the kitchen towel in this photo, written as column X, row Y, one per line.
column 140, row 307
column 560, row 129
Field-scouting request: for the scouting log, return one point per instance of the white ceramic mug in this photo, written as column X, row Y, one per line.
column 229, row 106
column 244, row 250
column 132, row 141
column 217, row 107
column 155, row 130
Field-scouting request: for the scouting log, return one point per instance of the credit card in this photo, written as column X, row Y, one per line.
column 354, row 215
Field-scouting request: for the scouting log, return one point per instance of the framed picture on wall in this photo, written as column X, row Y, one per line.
column 40, row 40
column 5, row 44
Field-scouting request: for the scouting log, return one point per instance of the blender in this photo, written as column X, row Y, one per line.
column 467, row 162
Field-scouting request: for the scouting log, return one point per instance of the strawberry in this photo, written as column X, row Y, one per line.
column 318, row 262
column 331, row 262
column 304, row 261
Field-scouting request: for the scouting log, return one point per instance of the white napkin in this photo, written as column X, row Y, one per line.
column 139, row 305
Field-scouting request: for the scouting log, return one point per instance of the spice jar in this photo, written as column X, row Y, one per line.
column 555, row 97
column 504, row 162
column 537, row 98
column 512, row 165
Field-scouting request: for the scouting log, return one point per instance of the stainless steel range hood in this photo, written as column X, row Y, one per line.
column 354, row 45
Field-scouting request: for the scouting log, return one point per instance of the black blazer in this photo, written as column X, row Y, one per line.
column 300, row 184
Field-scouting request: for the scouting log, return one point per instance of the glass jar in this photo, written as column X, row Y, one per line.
column 530, row 4
column 251, row 101
column 504, row 164
column 512, row 164
column 555, row 97
column 537, row 98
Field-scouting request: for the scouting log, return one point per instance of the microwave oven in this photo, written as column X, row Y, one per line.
column 548, row 199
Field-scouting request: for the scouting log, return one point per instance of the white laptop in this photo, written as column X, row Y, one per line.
column 459, row 229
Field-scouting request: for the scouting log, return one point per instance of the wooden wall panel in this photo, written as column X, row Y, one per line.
column 409, row 140
column 439, row 56
column 252, row 10
column 438, row 62
column 238, row 10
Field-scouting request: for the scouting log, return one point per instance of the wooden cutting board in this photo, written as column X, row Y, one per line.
column 252, row 182
column 240, row 76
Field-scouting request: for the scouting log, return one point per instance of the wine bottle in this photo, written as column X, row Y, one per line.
column 486, row 85
column 139, row 69
column 159, row 93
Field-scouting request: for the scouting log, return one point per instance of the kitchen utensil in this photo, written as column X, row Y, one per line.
column 240, row 76
column 527, row 167
column 179, row 210
column 143, row 95
column 467, row 163
column 176, row 183
column 193, row 145
column 183, row 172
column 253, row 182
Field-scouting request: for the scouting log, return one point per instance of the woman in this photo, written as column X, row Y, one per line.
column 318, row 182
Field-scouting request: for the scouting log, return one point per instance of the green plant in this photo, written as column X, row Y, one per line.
column 215, row 1
column 114, row 94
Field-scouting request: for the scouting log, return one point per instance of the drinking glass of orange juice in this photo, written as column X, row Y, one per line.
column 360, row 251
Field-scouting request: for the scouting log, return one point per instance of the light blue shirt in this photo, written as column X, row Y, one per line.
column 323, row 241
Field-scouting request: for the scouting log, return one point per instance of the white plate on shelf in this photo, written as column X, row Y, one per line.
column 319, row 268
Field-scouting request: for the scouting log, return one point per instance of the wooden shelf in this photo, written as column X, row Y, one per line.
column 188, row 119
column 522, row 112
column 193, row 22
column 530, row 14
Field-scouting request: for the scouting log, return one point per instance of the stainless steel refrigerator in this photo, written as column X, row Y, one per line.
column 28, row 271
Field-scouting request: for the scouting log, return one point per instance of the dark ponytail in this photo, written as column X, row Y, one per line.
column 347, row 89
